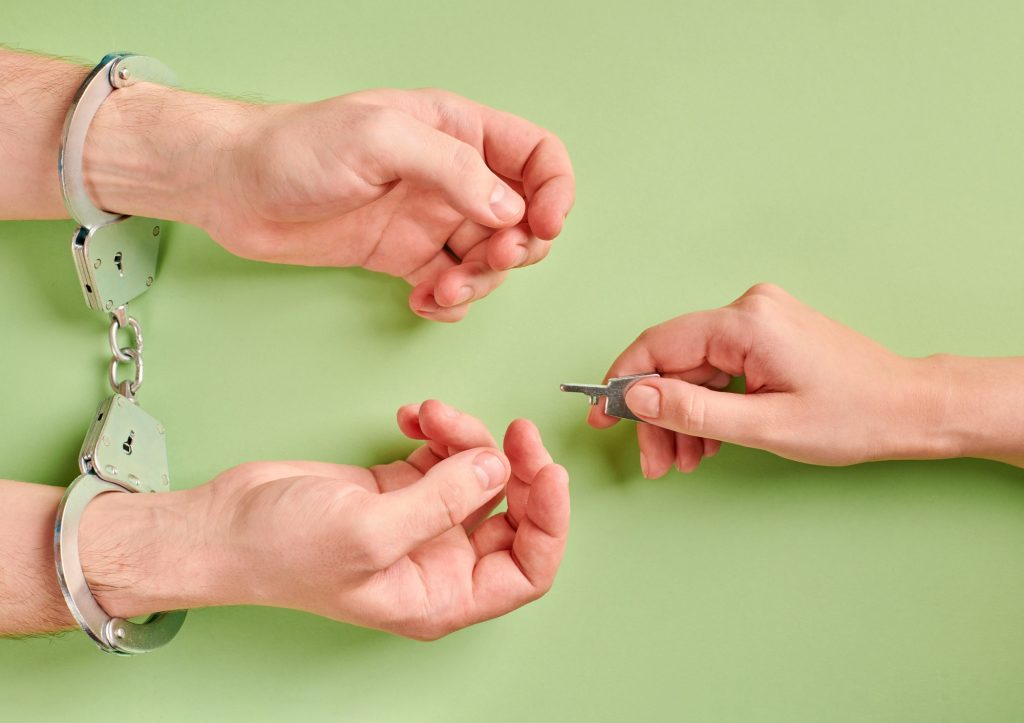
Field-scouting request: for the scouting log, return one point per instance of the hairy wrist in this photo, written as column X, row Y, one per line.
column 143, row 553
column 156, row 151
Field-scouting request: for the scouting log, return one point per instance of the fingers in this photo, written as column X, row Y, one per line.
column 423, row 303
column 443, row 498
column 421, row 298
column 446, row 430
column 700, row 412
column 471, row 280
column 447, row 297
column 515, row 247
column 657, row 450
column 711, row 447
column 525, row 449
column 513, row 576
column 520, row 150
column 689, row 452
column 706, row 375
column 429, row 157
column 527, row 455
column 515, row 148
column 693, row 347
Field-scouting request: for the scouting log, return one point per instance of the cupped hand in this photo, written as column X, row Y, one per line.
column 409, row 547
column 424, row 185
column 816, row 391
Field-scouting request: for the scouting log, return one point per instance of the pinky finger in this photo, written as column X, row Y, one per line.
column 423, row 303
column 711, row 447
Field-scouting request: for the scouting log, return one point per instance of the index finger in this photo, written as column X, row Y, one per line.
column 694, row 348
column 522, row 151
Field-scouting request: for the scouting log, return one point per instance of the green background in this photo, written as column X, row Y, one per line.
column 868, row 156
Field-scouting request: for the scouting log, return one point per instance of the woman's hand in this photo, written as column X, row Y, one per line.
column 816, row 391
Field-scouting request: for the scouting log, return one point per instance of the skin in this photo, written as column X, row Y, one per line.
column 382, row 179
column 816, row 391
column 423, row 185
column 409, row 547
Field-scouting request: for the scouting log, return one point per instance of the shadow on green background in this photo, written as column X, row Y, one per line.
column 866, row 156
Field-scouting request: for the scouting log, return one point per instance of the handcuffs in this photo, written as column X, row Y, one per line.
column 125, row 448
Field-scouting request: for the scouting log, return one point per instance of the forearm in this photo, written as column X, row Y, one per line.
column 150, row 150
column 140, row 554
column 35, row 93
column 980, row 405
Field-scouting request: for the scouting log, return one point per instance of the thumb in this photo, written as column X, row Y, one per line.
column 700, row 412
column 446, row 495
column 432, row 158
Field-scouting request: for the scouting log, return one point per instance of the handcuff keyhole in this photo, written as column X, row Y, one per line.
column 118, row 263
column 127, row 446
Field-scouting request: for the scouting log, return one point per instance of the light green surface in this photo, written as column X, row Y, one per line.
column 867, row 156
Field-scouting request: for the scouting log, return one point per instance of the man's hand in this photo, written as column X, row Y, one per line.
column 816, row 391
column 424, row 185
column 407, row 547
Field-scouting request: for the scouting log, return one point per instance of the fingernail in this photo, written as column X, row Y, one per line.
column 643, row 465
column 505, row 203
column 521, row 256
column 644, row 400
column 464, row 295
column 449, row 411
column 428, row 306
column 489, row 470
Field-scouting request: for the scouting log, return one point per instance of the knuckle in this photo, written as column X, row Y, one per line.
column 645, row 337
column 764, row 288
column 690, row 411
column 369, row 549
column 375, row 124
column 451, row 499
column 541, row 588
column 757, row 305
column 465, row 161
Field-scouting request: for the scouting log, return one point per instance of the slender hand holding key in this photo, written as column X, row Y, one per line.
column 816, row 391
column 409, row 547
column 393, row 181
column 613, row 393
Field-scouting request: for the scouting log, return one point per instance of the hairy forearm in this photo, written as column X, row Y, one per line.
column 140, row 554
column 35, row 93
column 30, row 601
column 165, row 153
column 150, row 150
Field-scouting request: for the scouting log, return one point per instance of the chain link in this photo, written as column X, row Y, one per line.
column 125, row 354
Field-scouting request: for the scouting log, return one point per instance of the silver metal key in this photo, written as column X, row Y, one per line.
column 614, row 393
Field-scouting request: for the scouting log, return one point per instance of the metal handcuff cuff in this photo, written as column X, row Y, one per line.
column 125, row 448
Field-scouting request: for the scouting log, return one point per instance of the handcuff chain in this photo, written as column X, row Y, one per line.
column 125, row 448
column 127, row 354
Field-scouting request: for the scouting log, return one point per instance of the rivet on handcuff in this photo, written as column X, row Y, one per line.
column 125, row 449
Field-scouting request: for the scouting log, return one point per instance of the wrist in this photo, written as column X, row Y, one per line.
column 921, row 420
column 157, row 151
column 977, row 404
column 143, row 553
